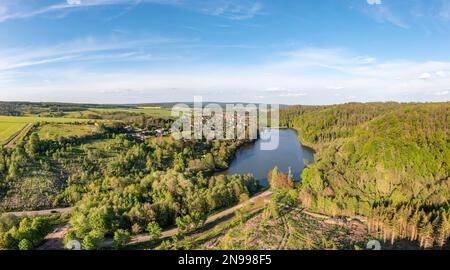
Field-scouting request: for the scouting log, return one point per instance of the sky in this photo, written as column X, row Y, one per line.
column 263, row 51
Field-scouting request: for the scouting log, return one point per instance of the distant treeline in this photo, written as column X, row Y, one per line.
column 35, row 108
column 22, row 108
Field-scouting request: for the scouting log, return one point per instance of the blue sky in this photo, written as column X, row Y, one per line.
column 274, row 51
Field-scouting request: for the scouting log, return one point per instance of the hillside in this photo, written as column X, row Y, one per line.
column 389, row 162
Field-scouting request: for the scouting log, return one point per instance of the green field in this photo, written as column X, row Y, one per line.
column 35, row 119
column 8, row 130
column 55, row 131
column 11, row 125
column 159, row 112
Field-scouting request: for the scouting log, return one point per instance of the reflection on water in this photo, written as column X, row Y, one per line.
column 289, row 154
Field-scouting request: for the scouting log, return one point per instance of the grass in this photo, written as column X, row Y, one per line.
column 55, row 131
column 152, row 111
column 8, row 130
column 150, row 107
column 12, row 125
column 36, row 119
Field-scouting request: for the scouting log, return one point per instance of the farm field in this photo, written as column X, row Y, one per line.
column 8, row 130
column 11, row 125
column 35, row 119
column 152, row 111
column 55, row 131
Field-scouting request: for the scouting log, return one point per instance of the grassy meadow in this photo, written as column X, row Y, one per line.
column 54, row 131
column 151, row 111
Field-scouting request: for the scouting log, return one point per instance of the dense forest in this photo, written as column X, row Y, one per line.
column 388, row 162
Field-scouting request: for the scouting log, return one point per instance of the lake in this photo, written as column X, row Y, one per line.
column 250, row 159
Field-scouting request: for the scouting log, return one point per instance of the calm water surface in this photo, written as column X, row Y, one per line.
column 290, row 154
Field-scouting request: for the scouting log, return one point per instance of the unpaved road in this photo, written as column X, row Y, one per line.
column 55, row 239
column 169, row 233
column 22, row 133
column 37, row 213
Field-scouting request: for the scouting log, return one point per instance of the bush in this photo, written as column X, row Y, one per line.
column 25, row 244
column 92, row 240
column 121, row 238
column 154, row 230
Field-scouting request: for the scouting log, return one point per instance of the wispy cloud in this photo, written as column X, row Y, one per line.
column 86, row 49
column 19, row 9
column 235, row 10
column 384, row 14
column 308, row 76
column 231, row 9
column 408, row 14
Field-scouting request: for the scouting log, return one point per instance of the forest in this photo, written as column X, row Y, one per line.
column 388, row 162
column 118, row 184
column 385, row 163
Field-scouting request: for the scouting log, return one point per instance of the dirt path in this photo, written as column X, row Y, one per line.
column 22, row 133
column 169, row 233
column 55, row 240
column 37, row 213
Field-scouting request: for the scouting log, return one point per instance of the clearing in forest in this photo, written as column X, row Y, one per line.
column 54, row 131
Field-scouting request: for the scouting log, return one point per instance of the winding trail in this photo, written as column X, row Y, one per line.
column 55, row 239
column 171, row 232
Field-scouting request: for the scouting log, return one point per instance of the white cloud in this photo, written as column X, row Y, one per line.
column 74, row 2
column 273, row 89
column 383, row 13
column 307, row 76
column 425, row 76
column 293, row 94
column 367, row 60
column 335, row 87
column 441, row 73
column 442, row 93
column 86, row 49
column 231, row 9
